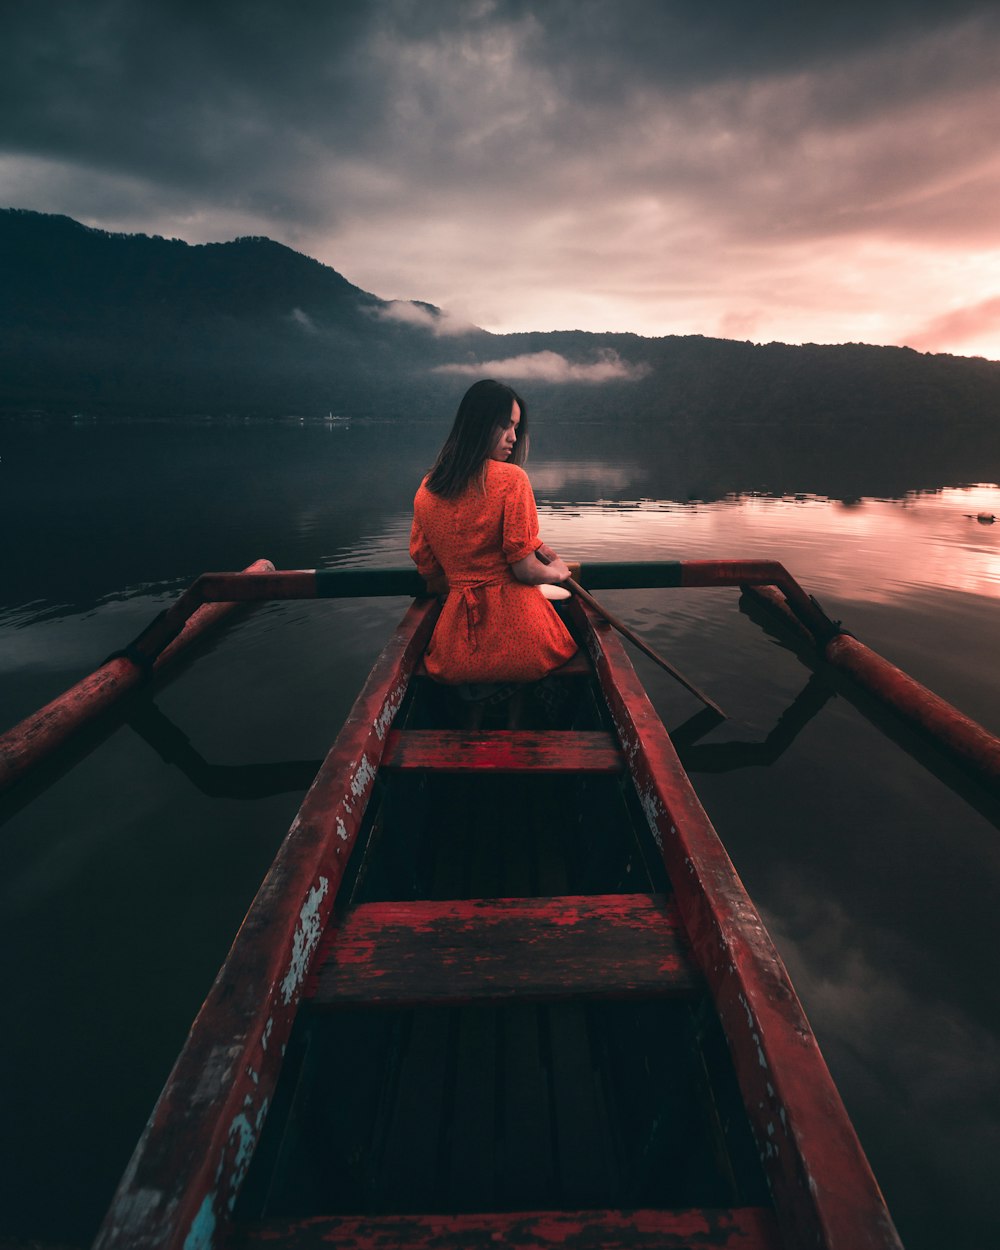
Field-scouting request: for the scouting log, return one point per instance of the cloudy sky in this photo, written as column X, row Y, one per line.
column 771, row 171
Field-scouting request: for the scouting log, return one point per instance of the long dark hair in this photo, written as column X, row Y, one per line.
column 484, row 411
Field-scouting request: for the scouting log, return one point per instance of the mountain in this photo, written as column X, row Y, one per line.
column 99, row 322
column 108, row 322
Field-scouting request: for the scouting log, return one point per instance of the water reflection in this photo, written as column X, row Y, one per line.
column 922, row 1059
column 872, row 550
column 176, row 500
column 844, row 840
column 572, row 479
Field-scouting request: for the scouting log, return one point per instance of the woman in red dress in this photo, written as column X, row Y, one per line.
column 474, row 521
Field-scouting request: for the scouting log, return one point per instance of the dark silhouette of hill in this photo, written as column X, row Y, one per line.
column 113, row 323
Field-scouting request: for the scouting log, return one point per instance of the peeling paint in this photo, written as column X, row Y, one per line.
column 341, row 830
column 393, row 703
column 138, row 1207
column 245, row 1135
column 363, row 778
column 242, row 1130
column 216, row 1072
column 652, row 811
column 307, row 934
column 266, row 1035
column 202, row 1229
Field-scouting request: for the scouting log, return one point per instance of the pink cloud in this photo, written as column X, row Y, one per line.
column 960, row 326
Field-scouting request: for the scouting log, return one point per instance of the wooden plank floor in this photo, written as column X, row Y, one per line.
column 448, row 1069
column 747, row 1228
column 503, row 750
column 579, row 946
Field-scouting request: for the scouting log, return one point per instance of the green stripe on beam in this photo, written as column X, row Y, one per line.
column 630, row 575
column 364, row 583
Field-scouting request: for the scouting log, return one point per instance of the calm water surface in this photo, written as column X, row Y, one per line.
column 123, row 880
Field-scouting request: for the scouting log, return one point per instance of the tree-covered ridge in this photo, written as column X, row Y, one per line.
column 104, row 322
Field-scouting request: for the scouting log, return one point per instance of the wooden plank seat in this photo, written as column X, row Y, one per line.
column 503, row 751
column 488, row 950
column 739, row 1228
column 578, row 665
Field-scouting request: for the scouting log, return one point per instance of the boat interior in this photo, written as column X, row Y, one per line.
column 557, row 1077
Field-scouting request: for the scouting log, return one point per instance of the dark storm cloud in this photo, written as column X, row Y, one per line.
column 200, row 93
column 653, row 164
column 220, row 98
column 606, row 49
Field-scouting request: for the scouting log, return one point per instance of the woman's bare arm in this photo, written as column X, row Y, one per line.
column 536, row 573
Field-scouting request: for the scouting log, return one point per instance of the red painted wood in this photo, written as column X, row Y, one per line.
column 278, row 584
column 39, row 735
column 503, row 751
column 187, row 1170
column 576, row 666
column 758, row 573
column 580, row 946
column 824, row 1192
column 965, row 741
column 733, row 573
column 776, row 604
column 744, row 1228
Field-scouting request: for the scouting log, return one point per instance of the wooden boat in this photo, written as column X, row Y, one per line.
column 498, row 988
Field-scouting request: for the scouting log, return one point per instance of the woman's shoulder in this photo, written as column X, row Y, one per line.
column 507, row 477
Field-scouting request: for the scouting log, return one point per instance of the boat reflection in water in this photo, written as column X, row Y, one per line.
column 845, row 843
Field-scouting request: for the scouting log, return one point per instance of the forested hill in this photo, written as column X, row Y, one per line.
column 98, row 322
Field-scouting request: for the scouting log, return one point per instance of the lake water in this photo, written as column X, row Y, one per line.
column 124, row 877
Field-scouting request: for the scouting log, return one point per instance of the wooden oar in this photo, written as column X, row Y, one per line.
column 644, row 647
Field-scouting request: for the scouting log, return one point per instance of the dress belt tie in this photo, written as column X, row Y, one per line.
column 473, row 606
column 472, row 614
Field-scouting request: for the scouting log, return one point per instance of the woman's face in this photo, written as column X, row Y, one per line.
column 503, row 444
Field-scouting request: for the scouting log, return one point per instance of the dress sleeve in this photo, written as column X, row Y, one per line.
column 520, row 521
column 422, row 555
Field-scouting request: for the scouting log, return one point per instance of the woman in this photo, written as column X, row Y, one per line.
column 474, row 521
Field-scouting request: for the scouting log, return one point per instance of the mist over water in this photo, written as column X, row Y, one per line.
column 123, row 881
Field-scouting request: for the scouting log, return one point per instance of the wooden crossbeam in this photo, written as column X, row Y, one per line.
column 578, row 665
column 476, row 950
column 503, row 751
column 740, row 1228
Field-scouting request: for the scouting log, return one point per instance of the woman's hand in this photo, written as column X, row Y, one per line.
column 557, row 570
column 542, row 567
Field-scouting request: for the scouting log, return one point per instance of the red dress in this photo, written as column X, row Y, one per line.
column 492, row 627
